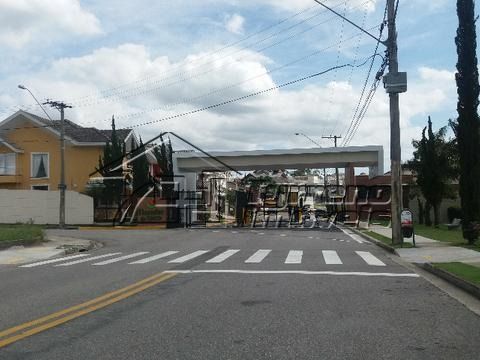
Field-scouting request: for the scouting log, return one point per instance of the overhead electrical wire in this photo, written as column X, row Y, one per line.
column 333, row 129
column 223, row 103
column 232, row 44
column 358, row 116
column 335, row 73
column 145, row 90
column 15, row 108
column 215, row 91
column 166, row 76
column 223, row 48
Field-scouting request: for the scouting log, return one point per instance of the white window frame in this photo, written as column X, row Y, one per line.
column 15, row 163
column 47, row 185
column 47, row 167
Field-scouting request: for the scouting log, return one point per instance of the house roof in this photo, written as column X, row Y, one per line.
column 73, row 131
column 10, row 145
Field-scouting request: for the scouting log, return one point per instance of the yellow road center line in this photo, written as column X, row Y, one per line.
column 76, row 307
column 86, row 307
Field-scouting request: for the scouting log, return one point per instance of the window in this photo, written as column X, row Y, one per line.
column 40, row 165
column 40, row 187
column 7, row 164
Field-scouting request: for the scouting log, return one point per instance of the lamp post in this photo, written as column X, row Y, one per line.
column 61, row 186
column 313, row 141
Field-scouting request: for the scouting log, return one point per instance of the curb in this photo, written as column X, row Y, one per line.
column 4, row 245
column 74, row 248
column 465, row 285
column 73, row 245
column 375, row 241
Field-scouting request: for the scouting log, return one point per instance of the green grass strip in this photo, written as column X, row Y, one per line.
column 464, row 271
column 26, row 233
column 387, row 240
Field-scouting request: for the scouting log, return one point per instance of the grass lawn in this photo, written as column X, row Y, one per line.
column 27, row 233
column 464, row 271
column 387, row 240
column 443, row 234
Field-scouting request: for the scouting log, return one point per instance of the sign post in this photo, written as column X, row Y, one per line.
column 407, row 225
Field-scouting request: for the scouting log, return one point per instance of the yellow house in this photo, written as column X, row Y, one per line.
column 30, row 152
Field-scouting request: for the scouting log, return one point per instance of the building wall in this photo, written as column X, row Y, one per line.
column 42, row 207
column 80, row 161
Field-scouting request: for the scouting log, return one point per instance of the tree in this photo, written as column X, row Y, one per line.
column 140, row 169
column 112, row 157
column 468, row 123
column 433, row 167
column 165, row 161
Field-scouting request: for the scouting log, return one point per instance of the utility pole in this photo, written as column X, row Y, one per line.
column 60, row 106
column 395, row 83
column 334, row 138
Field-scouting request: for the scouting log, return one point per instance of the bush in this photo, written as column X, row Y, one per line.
column 454, row 213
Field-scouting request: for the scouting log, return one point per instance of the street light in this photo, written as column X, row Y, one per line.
column 62, row 185
column 23, row 87
column 313, row 141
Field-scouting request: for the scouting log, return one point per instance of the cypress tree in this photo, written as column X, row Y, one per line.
column 468, row 125
column 432, row 164
column 140, row 170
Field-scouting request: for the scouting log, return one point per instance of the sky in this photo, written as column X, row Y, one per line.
column 152, row 62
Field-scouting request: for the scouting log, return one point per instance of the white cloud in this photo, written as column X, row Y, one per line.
column 234, row 24
column 429, row 74
column 299, row 5
column 24, row 21
column 266, row 121
column 427, row 5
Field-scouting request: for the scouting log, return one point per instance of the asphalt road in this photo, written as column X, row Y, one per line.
column 273, row 294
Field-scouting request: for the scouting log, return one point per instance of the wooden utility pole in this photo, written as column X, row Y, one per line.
column 395, row 83
column 392, row 84
column 60, row 106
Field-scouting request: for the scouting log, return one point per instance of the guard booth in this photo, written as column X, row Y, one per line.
column 218, row 202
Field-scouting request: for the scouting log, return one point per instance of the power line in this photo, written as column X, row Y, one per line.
column 357, row 50
column 215, row 91
column 232, row 44
column 330, row 100
column 174, row 75
column 231, row 100
column 99, row 101
column 366, row 104
column 355, row 120
column 246, row 96
column 148, row 88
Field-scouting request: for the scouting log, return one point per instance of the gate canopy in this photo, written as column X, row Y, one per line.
column 315, row 158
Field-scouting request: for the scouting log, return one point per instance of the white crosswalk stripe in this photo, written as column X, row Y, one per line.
column 111, row 261
column 294, row 257
column 258, row 256
column 154, row 257
column 70, row 263
column 331, row 257
column 54, row 260
column 188, row 257
column 370, row 259
column 223, row 256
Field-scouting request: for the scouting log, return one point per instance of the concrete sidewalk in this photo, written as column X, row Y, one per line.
column 54, row 246
column 431, row 251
